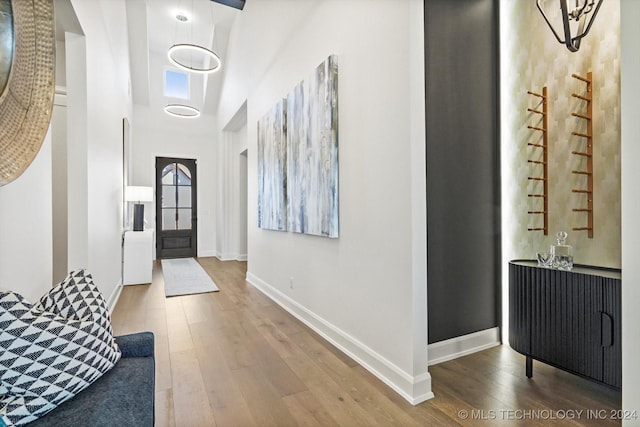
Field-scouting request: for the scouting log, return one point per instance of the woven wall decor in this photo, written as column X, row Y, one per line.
column 27, row 99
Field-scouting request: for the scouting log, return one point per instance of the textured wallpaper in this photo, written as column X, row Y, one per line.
column 532, row 58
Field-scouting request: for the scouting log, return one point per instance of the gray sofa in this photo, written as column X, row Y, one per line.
column 124, row 396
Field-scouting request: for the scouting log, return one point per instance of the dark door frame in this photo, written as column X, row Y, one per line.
column 176, row 243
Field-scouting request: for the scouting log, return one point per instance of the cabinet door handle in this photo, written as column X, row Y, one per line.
column 606, row 323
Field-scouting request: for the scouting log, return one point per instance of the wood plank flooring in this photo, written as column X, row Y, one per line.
column 235, row 358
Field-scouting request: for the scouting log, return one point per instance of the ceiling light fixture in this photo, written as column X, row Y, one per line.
column 190, row 56
column 188, row 48
column 182, row 111
column 576, row 22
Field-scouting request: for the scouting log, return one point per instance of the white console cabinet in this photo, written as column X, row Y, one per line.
column 137, row 257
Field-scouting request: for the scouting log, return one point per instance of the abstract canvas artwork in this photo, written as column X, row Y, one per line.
column 312, row 153
column 272, row 169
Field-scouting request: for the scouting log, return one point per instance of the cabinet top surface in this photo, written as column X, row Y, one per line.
column 612, row 273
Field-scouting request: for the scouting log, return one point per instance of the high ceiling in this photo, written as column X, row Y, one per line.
column 153, row 29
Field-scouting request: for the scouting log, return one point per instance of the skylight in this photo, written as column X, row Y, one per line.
column 176, row 84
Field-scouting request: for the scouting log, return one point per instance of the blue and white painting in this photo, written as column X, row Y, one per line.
column 312, row 153
column 272, row 169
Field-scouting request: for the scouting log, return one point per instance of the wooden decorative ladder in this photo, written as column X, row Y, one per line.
column 587, row 153
column 541, row 144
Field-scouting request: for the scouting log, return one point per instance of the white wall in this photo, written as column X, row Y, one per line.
column 59, row 157
column 77, row 190
column 630, row 55
column 243, row 185
column 97, row 82
column 25, row 229
column 232, row 191
column 366, row 291
column 59, row 186
column 95, row 139
column 61, row 59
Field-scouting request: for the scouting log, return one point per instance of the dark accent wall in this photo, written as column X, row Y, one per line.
column 463, row 167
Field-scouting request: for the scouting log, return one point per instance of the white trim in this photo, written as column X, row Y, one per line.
column 453, row 348
column 114, row 297
column 230, row 257
column 415, row 389
column 60, row 99
column 206, row 253
column 225, row 256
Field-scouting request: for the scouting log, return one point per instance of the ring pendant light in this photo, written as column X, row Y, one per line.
column 182, row 111
column 189, row 48
column 182, row 55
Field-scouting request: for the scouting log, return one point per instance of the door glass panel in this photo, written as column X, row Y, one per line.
column 169, row 174
column 184, row 197
column 176, row 184
column 184, row 219
column 169, row 196
column 184, row 175
column 168, row 219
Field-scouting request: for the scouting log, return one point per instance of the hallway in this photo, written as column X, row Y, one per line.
column 234, row 358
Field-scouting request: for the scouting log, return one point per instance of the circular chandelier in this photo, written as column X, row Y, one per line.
column 182, row 111
column 189, row 48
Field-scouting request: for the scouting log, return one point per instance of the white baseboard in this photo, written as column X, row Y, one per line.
column 231, row 257
column 461, row 346
column 113, row 298
column 225, row 257
column 415, row 389
column 204, row 254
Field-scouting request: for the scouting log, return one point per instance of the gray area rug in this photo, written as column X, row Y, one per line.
column 184, row 276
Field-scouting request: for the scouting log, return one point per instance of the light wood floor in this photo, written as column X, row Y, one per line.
column 234, row 358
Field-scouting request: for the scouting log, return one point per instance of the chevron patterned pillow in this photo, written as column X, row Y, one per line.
column 52, row 350
column 77, row 297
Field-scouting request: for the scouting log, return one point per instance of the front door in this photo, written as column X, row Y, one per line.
column 176, row 208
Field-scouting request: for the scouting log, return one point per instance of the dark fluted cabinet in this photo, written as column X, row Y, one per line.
column 567, row 319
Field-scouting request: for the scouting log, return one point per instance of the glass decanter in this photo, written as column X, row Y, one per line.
column 562, row 254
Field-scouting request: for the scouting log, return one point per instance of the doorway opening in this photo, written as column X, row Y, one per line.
column 243, row 201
